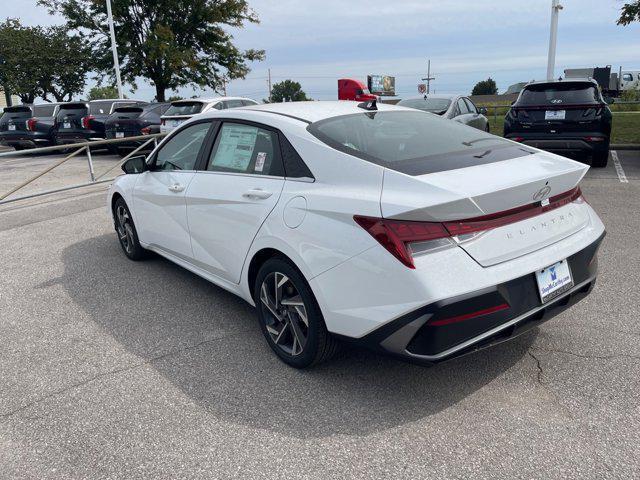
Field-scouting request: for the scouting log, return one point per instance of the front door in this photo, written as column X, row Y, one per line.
column 159, row 195
column 232, row 196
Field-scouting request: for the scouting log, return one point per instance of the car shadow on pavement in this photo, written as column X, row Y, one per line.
column 207, row 343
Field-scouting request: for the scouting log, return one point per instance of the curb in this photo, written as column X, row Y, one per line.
column 624, row 146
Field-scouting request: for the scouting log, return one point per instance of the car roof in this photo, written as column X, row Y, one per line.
column 210, row 100
column 313, row 111
column 447, row 96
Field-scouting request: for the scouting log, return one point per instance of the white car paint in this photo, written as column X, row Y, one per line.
column 213, row 228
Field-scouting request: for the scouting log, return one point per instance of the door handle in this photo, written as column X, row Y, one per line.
column 257, row 193
column 176, row 187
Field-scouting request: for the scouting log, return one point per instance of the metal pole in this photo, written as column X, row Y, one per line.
column 92, row 175
column 114, row 49
column 7, row 97
column 553, row 38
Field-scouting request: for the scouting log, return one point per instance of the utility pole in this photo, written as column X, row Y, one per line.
column 429, row 77
column 553, row 38
column 269, row 83
column 114, row 49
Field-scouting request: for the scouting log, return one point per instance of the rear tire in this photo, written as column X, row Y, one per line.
column 290, row 317
column 600, row 159
column 126, row 230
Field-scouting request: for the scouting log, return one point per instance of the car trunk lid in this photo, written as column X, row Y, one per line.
column 14, row 119
column 124, row 119
column 559, row 119
column 492, row 191
column 70, row 117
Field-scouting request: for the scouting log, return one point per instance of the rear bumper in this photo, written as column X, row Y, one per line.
column 66, row 138
column 414, row 337
column 25, row 140
column 564, row 143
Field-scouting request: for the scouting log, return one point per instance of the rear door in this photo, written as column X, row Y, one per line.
column 228, row 200
column 69, row 118
column 559, row 108
column 14, row 120
column 463, row 113
column 159, row 194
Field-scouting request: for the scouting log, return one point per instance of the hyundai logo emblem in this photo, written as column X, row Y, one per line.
column 542, row 193
column 556, row 100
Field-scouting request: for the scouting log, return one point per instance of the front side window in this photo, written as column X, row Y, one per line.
column 627, row 77
column 181, row 150
column 241, row 148
column 413, row 142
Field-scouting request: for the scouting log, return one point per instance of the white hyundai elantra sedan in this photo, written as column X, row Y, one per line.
column 377, row 224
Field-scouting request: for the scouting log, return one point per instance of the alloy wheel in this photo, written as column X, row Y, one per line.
column 286, row 318
column 124, row 228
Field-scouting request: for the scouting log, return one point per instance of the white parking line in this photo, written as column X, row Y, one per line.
column 619, row 170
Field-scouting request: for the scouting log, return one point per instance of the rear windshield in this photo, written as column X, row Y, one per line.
column 100, row 108
column 184, row 108
column 43, row 110
column 559, row 94
column 18, row 109
column 427, row 104
column 413, row 142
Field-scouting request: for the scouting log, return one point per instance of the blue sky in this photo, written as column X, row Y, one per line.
column 317, row 42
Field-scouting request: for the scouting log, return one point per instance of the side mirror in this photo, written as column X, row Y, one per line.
column 135, row 165
column 482, row 110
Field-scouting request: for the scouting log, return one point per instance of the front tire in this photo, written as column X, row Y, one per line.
column 126, row 230
column 290, row 317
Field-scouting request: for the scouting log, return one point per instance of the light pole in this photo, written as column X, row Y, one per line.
column 553, row 38
column 114, row 49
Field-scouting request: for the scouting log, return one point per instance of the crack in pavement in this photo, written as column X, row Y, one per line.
column 587, row 356
column 116, row 371
column 537, row 360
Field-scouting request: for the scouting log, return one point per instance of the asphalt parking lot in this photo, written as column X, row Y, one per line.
column 115, row 369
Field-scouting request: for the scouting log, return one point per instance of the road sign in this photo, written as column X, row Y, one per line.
column 422, row 88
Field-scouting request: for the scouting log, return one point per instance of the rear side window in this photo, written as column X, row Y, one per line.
column 471, row 106
column 44, row 110
column 184, row 108
column 248, row 103
column 559, row 94
column 241, row 148
column 181, row 150
column 413, row 142
column 462, row 107
column 234, row 103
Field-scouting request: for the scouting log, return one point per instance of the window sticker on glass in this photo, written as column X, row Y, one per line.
column 260, row 159
column 235, row 148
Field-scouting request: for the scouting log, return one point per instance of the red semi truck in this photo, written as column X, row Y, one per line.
column 350, row 89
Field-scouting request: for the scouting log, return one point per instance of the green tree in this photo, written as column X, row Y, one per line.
column 42, row 62
column 172, row 43
column 485, row 87
column 629, row 13
column 287, row 91
column 100, row 93
column 21, row 66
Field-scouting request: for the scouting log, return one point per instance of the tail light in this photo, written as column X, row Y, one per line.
column 86, row 120
column 31, row 124
column 403, row 238
column 145, row 131
column 518, row 139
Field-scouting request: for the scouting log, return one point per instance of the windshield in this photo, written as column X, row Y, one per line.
column 427, row 104
column 559, row 94
column 43, row 110
column 413, row 142
column 184, row 108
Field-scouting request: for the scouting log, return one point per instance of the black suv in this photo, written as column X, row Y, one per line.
column 568, row 117
column 78, row 122
column 133, row 121
column 13, row 126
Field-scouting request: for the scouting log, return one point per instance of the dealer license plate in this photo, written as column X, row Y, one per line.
column 66, row 125
column 12, row 127
column 555, row 114
column 119, row 134
column 554, row 280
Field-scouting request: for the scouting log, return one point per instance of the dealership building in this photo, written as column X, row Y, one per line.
column 15, row 100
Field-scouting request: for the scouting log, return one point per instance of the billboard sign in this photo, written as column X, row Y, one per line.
column 382, row 85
